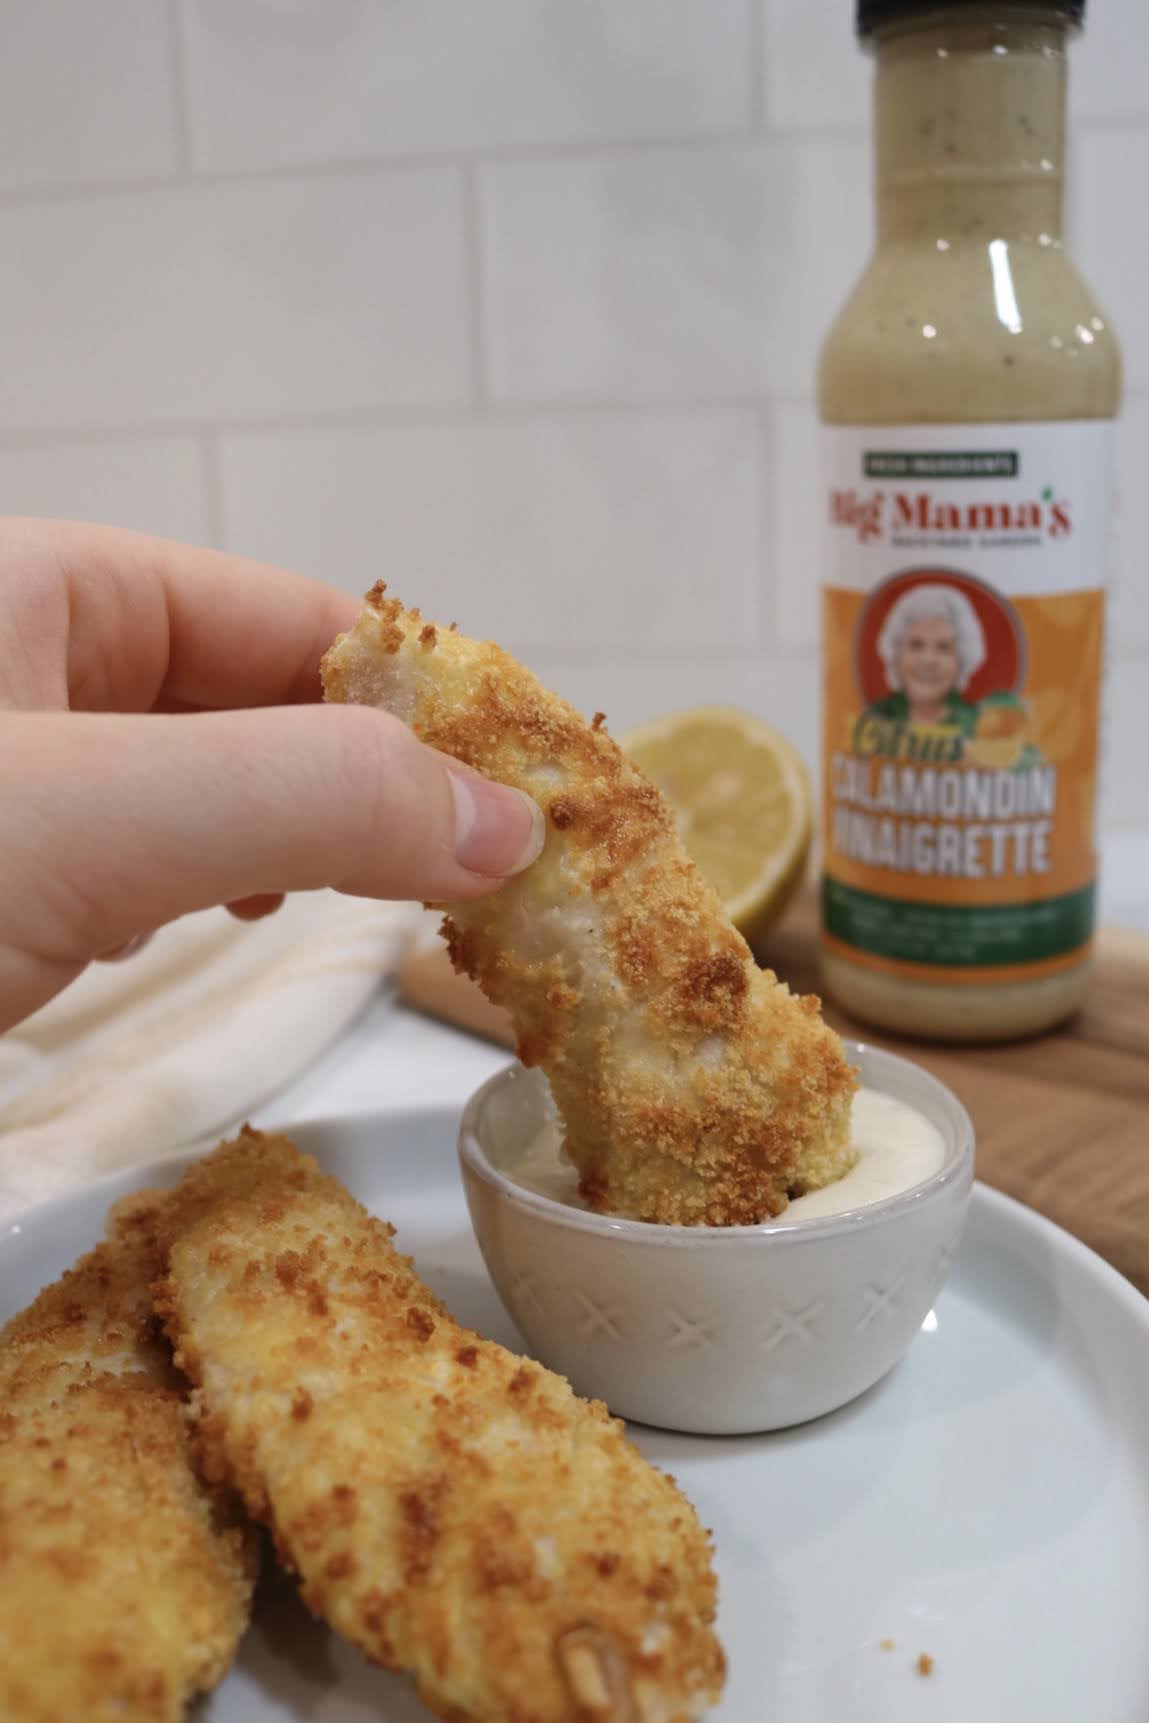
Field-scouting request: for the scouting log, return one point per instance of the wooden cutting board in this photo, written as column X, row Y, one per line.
column 1062, row 1121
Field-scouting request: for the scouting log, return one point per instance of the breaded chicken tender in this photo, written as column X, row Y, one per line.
column 124, row 1584
column 692, row 1086
column 451, row 1509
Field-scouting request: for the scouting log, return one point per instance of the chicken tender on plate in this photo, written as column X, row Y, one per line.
column 453, row 1510
column 692, row 1086
column 124, row 1582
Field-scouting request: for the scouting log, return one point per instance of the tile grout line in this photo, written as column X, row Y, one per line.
column 769, row 597
column 756, row 48
column 558, row 653
column 388, row 418
column 181, row 90
column 474, row 282
column 786, row 639
column 525, row 154
column 211, row 478
column 460, row 413
column 426, row 161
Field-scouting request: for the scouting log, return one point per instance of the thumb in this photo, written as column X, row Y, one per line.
column 115, row 825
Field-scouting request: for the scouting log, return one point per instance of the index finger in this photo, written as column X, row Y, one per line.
column 154, row 622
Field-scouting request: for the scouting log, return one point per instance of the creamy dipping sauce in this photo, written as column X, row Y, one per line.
column 897, row 1148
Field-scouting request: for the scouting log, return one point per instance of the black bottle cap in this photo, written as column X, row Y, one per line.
column 872, row 14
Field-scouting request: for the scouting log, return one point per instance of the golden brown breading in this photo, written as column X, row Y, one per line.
column 453, row 1510
column 124, row 1589
column 692, row 1086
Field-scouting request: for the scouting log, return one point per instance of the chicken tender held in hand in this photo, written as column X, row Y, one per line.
column 124, row 1582
column 692, row 1086
column 453, row 1510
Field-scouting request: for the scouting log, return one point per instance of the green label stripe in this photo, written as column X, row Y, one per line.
column 940, row 463
column 958, row 935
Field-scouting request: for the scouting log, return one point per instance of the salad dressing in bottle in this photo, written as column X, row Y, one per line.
column 967, row 391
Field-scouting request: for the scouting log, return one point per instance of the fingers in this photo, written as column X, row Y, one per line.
column 255, row 908
column 126, row 823
column 120, row 622
column 121, row 953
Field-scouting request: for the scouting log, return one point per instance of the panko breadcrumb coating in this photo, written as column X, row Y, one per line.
column 451, row 1509
column 692, row 1086
column 124, row 1582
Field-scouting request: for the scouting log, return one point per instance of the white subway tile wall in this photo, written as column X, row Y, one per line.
column 671, row 274
column 1129, row 608
column 593, row 531
column 1111, row 239
column 152, row 483
column 814, row 77
column 630, row 689
column 513, row 302
column 205, row 304
column 88, row 94
column 793, row 512
column 277, row 82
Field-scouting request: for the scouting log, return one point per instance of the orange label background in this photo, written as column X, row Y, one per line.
column 1065, row 634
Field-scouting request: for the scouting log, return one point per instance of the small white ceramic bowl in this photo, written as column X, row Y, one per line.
column 715, row 1330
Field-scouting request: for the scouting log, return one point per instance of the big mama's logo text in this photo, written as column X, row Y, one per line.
column 874, row 514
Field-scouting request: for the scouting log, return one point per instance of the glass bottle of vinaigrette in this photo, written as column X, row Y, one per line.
column 967, row 392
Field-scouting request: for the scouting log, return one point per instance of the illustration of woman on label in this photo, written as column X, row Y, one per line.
column 931, row 646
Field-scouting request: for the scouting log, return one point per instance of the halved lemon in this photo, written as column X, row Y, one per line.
column 741, row 796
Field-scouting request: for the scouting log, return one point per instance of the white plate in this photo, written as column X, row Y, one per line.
column 988, row 1503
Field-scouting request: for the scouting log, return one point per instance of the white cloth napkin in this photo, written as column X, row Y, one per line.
column 184, row 1039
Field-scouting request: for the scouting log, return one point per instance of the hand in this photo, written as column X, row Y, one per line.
column 162, row 749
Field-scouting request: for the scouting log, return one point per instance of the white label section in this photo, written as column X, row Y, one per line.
column 1027, row 508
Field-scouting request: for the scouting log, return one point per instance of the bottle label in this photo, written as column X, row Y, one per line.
column 964, row 602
